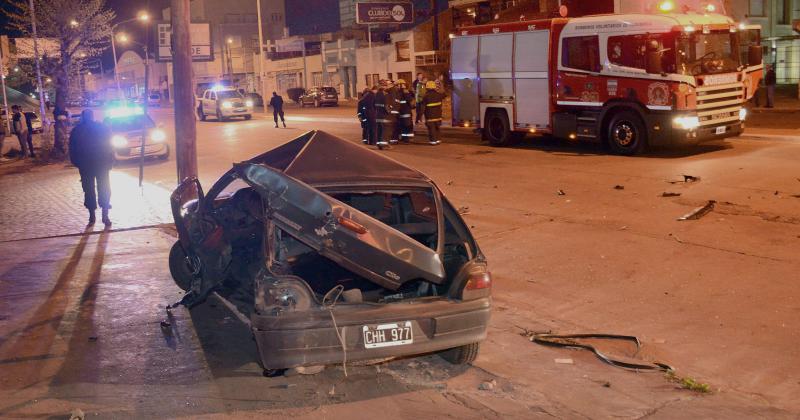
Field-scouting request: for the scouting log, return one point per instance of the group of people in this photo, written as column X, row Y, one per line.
column 387, row 111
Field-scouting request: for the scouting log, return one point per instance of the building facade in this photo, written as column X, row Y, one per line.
column 780, row 23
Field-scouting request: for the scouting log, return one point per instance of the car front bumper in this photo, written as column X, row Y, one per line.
column 150, row 150
column 309, row 337
column 661, row 131
column 236, row 112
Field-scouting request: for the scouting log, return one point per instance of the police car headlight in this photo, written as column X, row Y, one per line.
column 742, row 114
column 227, row 104
column 248, row 103
column 686, row 122
column 158, row 135
column 119, row 141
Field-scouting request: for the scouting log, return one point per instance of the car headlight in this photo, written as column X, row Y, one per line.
column 742, row 114
column 227, row 104
column 686, row 122
column 248, row 103
column 158, row 135
column 119, row 141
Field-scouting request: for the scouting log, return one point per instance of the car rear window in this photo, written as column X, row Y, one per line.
column 328, row 90
column 412, row 212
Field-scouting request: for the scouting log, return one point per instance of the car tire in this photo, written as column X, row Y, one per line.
column 248, row 116
column 497, row 130
column 165, row 156
column 626, row 134
column 219, row 116
column 200, row 113
column 179, row 267
column 461, row 355
column 317, row 104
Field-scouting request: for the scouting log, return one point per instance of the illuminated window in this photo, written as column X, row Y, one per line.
column 581, row 53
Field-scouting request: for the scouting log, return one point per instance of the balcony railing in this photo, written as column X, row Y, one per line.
column 431, row 58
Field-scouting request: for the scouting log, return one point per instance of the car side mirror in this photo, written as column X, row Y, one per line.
column 755, row 55
column 653, row 62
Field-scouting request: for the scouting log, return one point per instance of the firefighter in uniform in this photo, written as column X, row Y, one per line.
column 392, row 101
column 432, row 107
column 405, row 122
column 382, row 116
column 362, row 114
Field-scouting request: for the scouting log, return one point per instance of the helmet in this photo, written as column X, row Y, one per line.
column 430, row 85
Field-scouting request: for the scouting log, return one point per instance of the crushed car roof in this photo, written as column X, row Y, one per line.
column 318, row 157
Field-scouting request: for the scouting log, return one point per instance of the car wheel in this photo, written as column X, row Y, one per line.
column 179, row 267
column 626, row 134
column 497, row 129
column 219, row 116
column 200, row 113
column 316, row 103
column 461, row 355
column 248, row 116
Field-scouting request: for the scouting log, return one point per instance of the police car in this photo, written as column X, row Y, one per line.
column 127, row 124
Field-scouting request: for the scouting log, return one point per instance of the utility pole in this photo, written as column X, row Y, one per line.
column 144, row 106
column 40, row 86
column 5, row 99
column 185, row 130
column 261, row 52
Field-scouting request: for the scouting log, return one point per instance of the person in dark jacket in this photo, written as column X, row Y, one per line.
column 29, row 116
column 382, row 117
column 432, row 105
column 276, row 102
column 770, row 80
column 20, row 128
column 91, row 152
column 405, row 122
column 392, row 103
column 361, row 112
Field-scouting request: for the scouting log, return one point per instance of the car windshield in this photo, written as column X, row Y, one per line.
column 715, row 52
column 328, row 90
column 134, row 122
column 228, row 94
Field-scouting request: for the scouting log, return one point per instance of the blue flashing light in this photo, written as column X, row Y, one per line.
column 217, row 87
column 124, row 111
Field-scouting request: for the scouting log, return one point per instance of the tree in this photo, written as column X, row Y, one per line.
column 81, row 28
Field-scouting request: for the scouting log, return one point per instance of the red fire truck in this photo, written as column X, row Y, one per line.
column 627, row 80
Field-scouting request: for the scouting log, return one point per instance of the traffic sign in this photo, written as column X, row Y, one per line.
column 201, row 49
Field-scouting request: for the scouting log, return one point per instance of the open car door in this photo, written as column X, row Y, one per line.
column 352, row 239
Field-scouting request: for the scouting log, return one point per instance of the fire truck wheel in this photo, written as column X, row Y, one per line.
column 626, row 134
column 497, row 130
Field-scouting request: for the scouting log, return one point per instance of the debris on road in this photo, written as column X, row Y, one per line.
column 670, row 194
column 619, row 187
column 450, row 182
column 487, row 385
column 77, row 414
column 463, row 210
column 686, row 179
column 165, row 324
column 93, row 338
column 564, row 361
column 571, row 341
column 561, row 192
column 699, row 212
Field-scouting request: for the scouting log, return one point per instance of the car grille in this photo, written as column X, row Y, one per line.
column 238, row 104
column 720, row 104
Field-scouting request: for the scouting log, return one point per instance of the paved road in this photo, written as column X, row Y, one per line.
column 714, row 297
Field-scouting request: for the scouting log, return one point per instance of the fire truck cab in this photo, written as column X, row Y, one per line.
column 627, row 80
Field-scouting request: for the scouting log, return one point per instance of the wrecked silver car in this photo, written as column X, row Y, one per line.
column 333, row 251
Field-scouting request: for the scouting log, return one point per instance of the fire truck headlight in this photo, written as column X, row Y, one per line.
column 742, row 114
column 686, row 122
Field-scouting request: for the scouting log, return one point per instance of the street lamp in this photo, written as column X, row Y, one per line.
column 73, row 23
column 142, row 17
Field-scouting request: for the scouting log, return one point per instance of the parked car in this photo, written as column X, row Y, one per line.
column 295, row 93
column 224, row 103
column 154, row 100
column 320, row 229
column 319, row 96
column 127, row 125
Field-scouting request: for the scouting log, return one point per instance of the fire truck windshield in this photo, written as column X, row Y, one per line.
column 715, row 52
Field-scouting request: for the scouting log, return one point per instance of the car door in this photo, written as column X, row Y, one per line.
column 350, row 238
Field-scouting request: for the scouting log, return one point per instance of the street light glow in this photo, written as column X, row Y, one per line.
column 48, row 80
column 122, row 38
column 16, row 68
column 230, row 40
column 666, row 6
column 73, row 23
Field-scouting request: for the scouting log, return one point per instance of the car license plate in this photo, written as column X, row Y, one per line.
column 241, row 110
column 385, row 335
column 720, row 130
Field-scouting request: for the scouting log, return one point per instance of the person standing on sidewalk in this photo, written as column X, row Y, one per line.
column 770, row 80
column 361, row 113
column 91, row 152
column 276, row 102
column 382, row 121
column 432, row 104
column 419, row 93
column 20, row 128
column 29, row 116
